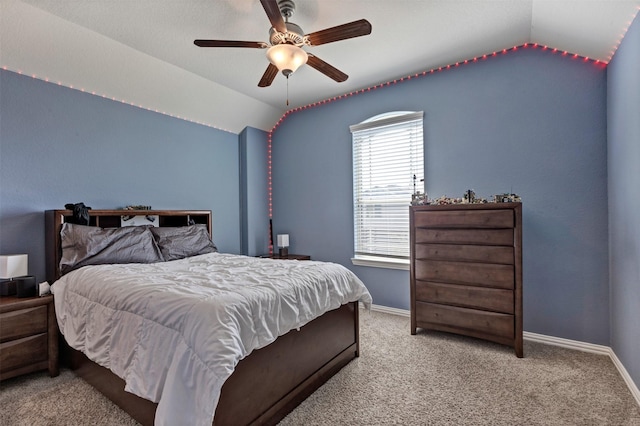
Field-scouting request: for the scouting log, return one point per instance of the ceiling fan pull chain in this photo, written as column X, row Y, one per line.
column 287, row 90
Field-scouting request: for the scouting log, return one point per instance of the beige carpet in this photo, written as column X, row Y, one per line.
column 399, row 379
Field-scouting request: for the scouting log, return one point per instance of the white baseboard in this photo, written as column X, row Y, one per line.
column 556, row 341
column 625, row 376
column 567, row 343
column 388, row 310
column 588, row 347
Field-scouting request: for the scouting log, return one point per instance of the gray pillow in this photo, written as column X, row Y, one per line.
column 92, row 245
column 183, row 241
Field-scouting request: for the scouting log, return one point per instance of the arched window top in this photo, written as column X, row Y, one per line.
column 385, row 115
column 386, row 119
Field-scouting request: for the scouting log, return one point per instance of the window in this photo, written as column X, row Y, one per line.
column 387, row 153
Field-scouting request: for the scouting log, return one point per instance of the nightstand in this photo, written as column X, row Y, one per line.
column 28, row 336
column 289, row 256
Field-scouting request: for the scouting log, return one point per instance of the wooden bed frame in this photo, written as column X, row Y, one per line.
column 267, row 384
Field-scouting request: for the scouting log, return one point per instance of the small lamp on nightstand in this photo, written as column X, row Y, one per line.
column 283, row 244
column 12, row 266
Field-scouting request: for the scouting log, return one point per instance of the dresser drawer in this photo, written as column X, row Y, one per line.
column 23, row 322
column 493, row 237
column 477, row 274
column 25, row 351
column 465, row 219
column 489, row 299
column 465, row 253
column 491, row 323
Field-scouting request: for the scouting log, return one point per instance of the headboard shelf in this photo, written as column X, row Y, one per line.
column 111, row 219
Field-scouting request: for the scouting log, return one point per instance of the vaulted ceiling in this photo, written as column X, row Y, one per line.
column 141, row 52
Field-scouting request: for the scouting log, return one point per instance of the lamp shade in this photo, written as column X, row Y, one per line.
column 283, row 240
column 14, row 265
column 287, row 57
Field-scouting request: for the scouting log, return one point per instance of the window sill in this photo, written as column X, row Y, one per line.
column 381, row 263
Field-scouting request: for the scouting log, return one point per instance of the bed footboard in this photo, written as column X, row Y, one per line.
column 266, row 385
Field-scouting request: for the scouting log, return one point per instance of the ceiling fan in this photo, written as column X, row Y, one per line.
column 285, row 52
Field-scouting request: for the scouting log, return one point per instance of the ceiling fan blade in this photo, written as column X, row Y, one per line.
column 230, row 43
column 274, row 15
column 326, row 69
column 341, row 32
column 268, row 76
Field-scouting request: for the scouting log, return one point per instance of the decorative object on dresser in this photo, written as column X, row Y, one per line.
column 466, row 270
column 469, row 197
column 28, row 336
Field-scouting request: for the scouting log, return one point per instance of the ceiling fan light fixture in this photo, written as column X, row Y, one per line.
column 287, row 57
column 287, row 40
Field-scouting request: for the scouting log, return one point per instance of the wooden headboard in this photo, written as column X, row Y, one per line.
column 110, row 219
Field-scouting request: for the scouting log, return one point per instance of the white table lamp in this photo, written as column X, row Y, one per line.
column 13, row 265
column 283, row 244
column 13, row 268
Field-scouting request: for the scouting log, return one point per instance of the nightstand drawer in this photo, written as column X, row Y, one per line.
column 28, row 336
column 25, row 351
column 24, row 322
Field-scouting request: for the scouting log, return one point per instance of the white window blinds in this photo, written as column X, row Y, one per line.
column 387, row 153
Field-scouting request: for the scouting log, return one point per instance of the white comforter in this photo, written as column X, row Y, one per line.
column 174, row 331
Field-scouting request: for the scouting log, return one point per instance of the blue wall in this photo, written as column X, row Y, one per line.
column 59, row 145
column 254, row 196
column 623, row 110
column 531, row 121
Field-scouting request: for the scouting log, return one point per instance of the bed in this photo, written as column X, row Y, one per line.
column 272, row 372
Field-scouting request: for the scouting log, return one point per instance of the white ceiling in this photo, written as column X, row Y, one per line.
column 142, row 51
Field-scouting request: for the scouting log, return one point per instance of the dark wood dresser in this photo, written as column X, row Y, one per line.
column 466, row 270
column 28, row 336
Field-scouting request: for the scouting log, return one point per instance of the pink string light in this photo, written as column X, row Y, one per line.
column 432, row 71
column 396, row 81
column 113, row 98
column 368, row 89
